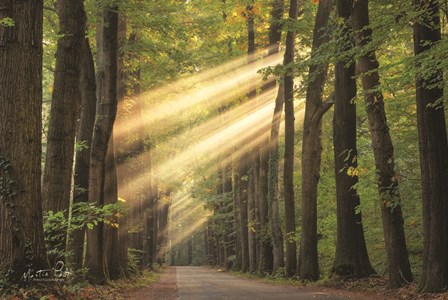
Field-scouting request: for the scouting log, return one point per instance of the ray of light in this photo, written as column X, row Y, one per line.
column 236, row 137
column 215, row 90
column 178, row 238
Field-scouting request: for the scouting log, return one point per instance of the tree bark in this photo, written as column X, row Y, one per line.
column 277, row 236
column 123, row 220
column 82, row 160
column 236, row 217
column 101, row 135
column 111, row 258
column 243, row 170
column 351, row 257
column 266, row 264
column 21, row 235
column 433, row 146
column 398, row 264
column 251, row 216
column 288, row 174
column 58, row 171
column 312, row 149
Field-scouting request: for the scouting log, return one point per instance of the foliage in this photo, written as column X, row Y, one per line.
column 84, row 215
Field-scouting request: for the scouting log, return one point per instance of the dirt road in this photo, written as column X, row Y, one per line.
column 194, row 283
column 201, row 283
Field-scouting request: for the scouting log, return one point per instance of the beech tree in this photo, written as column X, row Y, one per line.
column 312, row 147
column 288, row 175
column 102, row 131
column 351, row 257
column 432, row 135
column 21, row 236
column 397, row 254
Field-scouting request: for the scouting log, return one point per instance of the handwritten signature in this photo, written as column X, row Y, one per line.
column 58, row 273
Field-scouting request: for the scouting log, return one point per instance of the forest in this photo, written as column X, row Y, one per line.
column 300, row 140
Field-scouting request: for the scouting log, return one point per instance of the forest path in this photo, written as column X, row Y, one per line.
column 193, row 283
column 204, row 283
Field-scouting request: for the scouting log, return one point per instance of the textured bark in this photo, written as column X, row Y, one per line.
column 123, row 221
column 351, row 257
column 433, row 146
column 312, row 150
column 277, row 235
column 82, row 160
column 229, row 235
column 243, row 170
column 102, row 131
column 58, row 171
column 272, row 252
column 251, row 216
column 65, row 104
column 111, row 258
column 21, row 235
column 236, row 217
column 288, row 174
column 398, row 264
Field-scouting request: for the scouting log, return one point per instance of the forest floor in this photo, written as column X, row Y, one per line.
column 191, row 283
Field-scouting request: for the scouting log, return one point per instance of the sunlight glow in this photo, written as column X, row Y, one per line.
column 213, row 87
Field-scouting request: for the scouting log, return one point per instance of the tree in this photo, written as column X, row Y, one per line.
column 433, row 146
column 21, row 235
column 102, row 131
column 57, row 177
column 111, row 255
column 397, row 254
column 351, row 257
column 64, row 106
column 312, row 147
column 288, row 174
column 84, row 137
column 266, row 251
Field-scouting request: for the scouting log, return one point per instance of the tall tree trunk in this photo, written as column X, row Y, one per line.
column 236, row 217
column 312, row 149
column 277, row 236
column 243, row 170
column 251, row 216
column 351, row 253
column 229, row 220
column 82, row 160
column 102, row 131
column 21, row 235
column 288, row 174
column 123, row 220
column 111, row 259
column 265, row 236
column 433, row 152
column 397, row 254
column 57, row 177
